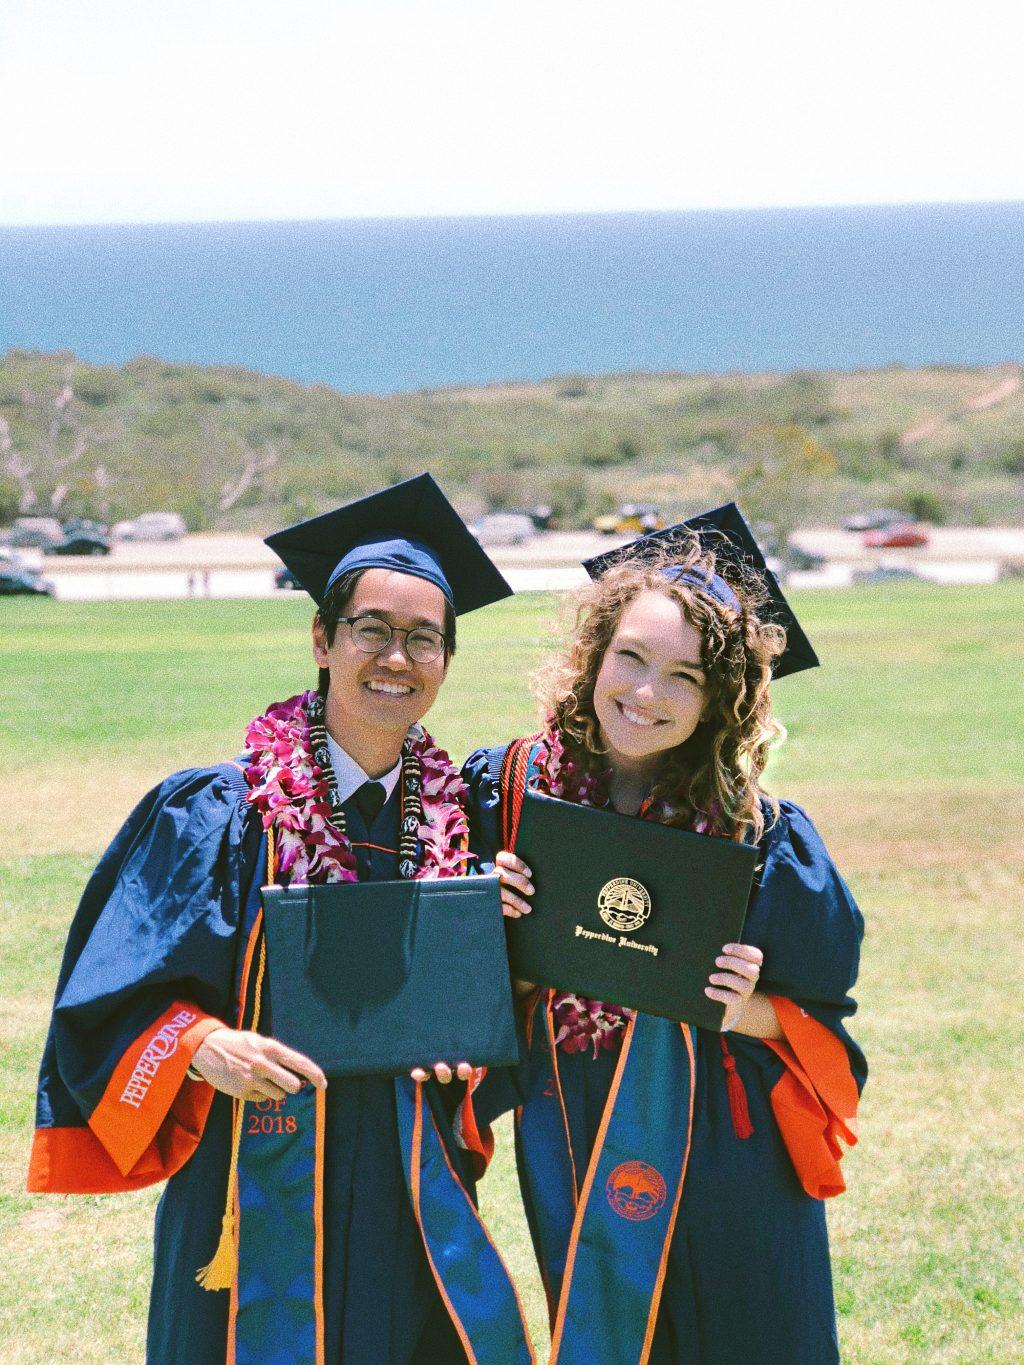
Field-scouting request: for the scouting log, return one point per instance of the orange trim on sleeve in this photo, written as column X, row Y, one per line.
column 74, row 1161
column 146, row 1081
column 815, row 1099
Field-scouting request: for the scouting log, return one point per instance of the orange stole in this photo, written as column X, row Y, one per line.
column 815, row 1099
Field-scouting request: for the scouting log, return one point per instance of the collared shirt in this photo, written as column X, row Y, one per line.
column 350, row 777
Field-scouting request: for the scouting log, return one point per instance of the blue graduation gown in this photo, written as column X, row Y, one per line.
column 162, row 930
column 747, row 1274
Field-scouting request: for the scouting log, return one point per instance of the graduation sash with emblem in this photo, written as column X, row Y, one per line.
column 602, row 1236
column 271, row 1256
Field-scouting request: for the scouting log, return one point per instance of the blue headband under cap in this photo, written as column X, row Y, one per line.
column 711, row 584
column 389, row 550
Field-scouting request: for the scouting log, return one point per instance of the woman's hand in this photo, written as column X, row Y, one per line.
column 516, row 883
column 734, row 985
column 252, row 1067
column 443, row 1072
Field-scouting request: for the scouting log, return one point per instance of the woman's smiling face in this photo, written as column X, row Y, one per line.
column 650, row 688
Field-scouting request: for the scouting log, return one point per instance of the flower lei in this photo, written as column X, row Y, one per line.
column 580, row 1022
column 290, row 792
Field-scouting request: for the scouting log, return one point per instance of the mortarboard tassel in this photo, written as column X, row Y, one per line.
column 737, row 1095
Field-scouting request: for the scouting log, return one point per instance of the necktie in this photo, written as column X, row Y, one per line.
column 370, row 798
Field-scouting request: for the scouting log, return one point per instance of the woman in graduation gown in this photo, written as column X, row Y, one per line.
column 673, row 1178
column 340, row 1214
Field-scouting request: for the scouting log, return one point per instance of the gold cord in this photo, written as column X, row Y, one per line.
column 223, row 1266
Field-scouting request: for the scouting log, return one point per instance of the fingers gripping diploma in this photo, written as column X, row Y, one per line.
column 516, row 884
column 735, row 983
column 443, row 1072
column 252, row 1067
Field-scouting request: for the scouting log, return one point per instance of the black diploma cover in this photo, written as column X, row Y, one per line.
column 626, row 910
column 378, row 977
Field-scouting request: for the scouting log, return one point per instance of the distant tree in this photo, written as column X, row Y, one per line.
column 573, row 386
column 783, row 475
column 257, row 463
column 501, row 490
column 889, row 446
column 61, row 441
column 568, row 497
column 213, row 456
column 1012, row 458
column 923, row 504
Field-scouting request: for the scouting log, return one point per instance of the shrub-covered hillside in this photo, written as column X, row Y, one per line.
column 234, row 449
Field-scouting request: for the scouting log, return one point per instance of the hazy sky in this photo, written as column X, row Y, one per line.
column 118, row 110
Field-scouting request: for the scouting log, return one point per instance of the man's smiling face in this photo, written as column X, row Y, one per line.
column 382, row 694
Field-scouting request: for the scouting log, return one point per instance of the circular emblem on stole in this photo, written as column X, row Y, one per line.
column 624, row 904
column 636, row 1191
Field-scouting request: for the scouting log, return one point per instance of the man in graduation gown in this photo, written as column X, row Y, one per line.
column 338, row 1210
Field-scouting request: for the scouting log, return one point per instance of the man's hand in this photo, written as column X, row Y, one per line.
column 516, row 883
column 443, row 1072
column 251, row 1067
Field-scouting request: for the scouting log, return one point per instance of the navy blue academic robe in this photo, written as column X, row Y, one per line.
column 156, row 950
column 748, row 1274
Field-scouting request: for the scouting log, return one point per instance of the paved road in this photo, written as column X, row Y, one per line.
column 215, row 565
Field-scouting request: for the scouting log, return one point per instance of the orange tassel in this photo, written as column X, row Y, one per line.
column 736, row 1092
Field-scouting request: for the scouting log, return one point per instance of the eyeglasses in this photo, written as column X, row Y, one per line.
column 372, row 635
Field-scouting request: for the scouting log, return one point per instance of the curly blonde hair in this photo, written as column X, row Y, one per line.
column 715, row 772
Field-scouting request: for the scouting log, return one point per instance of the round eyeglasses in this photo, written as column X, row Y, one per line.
column 372, row 635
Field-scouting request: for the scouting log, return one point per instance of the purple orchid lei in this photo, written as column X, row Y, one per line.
column 290, row 792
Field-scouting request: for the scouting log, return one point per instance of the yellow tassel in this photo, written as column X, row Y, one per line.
column 220, row 1273
column 223, row 1267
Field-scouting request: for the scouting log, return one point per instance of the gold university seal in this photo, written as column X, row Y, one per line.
column 624, row 904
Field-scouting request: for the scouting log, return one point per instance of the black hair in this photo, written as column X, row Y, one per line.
column 335, row 604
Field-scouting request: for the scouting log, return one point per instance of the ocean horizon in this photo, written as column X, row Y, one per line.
column 380, row 305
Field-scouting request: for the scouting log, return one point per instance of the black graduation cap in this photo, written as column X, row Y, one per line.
column 724, row 530
column 411, row 527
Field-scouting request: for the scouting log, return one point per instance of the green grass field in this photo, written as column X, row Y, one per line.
column 907, row 747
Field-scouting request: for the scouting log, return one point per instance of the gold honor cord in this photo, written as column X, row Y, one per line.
column 221, row 1271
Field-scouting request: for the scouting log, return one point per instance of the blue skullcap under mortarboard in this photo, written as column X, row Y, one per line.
column 411, row 528
column 724, row 531
column 389, row 550
column 713, row 584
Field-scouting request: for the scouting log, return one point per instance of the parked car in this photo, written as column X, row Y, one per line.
column 152, row 526
column 82, row 543
column 34, row 533
column 803, row 560
column 901, row 535
column 284, row 578
column 543, row 517
column 886, row 573
column 632, row 517
column 876, row 520
column 85, row 526
column 22, row 582
column 503, row 528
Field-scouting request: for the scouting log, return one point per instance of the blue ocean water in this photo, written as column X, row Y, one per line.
column 379, row 305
